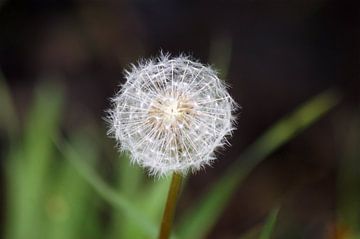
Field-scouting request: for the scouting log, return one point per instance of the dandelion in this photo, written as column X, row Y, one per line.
column 171, row 115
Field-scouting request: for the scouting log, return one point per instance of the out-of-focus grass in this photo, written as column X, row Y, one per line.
column 197, row 222
column 46, row 198
column 264, row 231
column 27, row 166
column 55, row 192
column 269, row 225
column 349, row 178
column 116, row 199
column 220, row 53
column 71, row 199
column 8, row 120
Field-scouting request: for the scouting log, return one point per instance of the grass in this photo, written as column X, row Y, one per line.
column 54, row 191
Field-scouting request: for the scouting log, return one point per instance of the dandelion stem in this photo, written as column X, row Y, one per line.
column 170, row 207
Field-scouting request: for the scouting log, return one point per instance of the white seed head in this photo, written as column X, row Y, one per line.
column 171, row 115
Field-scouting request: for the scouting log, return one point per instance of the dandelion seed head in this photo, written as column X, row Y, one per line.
column 172, row 114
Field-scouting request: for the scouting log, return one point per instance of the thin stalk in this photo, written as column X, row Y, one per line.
column 170, row 207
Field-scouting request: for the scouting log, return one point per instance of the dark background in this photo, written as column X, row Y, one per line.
column 280, row 54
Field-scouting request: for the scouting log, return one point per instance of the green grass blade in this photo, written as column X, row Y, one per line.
column 220, row 53
column 71, row 199
column 129, row 183
column 15, row 187
column 28, row 166
column 114, row 198
column 153, row 199
column 269, row 225
column 348, row 181
column 197, row 222
column 155, row 194
column 130, row 176
column 252, row 233
column 8, row 118
column 263, row 231
column 150, row 199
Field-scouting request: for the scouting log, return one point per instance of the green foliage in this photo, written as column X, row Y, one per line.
column 116, row 199
column 8, row 119
column 197, row 222
column 264, row 231
column 71, row 199
column 349, row 177
column 54, row 190
column 269, row 225
column 28, row 163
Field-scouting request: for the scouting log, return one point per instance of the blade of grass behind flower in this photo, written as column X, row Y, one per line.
column 263, row 231
column 150, row 199
column 197, row 222
column 155, row 194
column 114, row 198
column 269, row 225
column 348, row 180
column 72, row 200
column 129, row 181
column 28, row 165
column 252, row 233
column 8, row 119
column 220, row 53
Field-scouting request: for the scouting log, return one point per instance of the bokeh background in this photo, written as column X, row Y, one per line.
column 61, row 61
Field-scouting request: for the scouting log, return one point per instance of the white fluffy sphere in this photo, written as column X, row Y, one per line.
column 171, row 115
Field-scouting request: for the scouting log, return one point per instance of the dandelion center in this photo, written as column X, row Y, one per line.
column 170, row 113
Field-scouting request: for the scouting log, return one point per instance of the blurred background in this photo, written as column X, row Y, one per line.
column 61, row 61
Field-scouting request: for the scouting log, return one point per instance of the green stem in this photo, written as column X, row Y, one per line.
column 170, row 207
